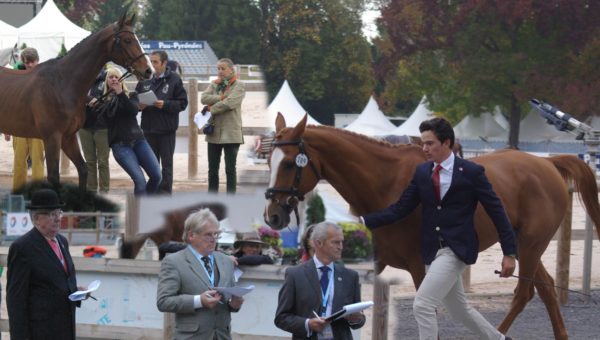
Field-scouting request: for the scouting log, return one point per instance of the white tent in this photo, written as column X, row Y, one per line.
column 8, row 35
column 371, row 122
column 286, row 103
column 411, row 126
column 48, row 30
column 535, row 129
column 336, row 208
column 487, row 126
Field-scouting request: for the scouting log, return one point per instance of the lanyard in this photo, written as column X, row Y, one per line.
column 325, row 295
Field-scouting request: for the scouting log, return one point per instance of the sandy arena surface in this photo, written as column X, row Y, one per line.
column 483, row 279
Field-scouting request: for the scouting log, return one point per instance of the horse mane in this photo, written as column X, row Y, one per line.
column 371, row 140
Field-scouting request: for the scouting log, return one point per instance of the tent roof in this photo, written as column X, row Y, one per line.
column 371, row 122
column 50, row 24
column 535, row 129
column 487, row 125
column 8, row 35
column 286, row 103
column 411, row 126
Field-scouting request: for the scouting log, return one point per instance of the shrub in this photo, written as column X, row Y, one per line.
column 357, row 241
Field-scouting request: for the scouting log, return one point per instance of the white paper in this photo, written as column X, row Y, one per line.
column 235, row 291
column 201, row 119
column 80, row 294
column 349, row 309
column 147, row 98
column 237, row 273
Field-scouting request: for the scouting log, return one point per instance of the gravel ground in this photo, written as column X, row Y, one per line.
column 581, row 319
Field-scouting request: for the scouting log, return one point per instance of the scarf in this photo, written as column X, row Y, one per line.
column 224, row 84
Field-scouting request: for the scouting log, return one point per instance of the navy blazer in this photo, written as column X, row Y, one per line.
column 301, row 294
column 38, row 288
column 452, row 218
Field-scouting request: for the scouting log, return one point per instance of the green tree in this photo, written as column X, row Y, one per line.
column 110, row 11
column 315, row 212
column 468, row 57
column 80, row 12
column 319, row 48
column 229, row 26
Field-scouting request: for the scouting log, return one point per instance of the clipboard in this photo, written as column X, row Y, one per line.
column 349, row 309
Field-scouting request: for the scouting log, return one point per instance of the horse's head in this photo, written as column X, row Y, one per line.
column 126, row 50
column 293, row 173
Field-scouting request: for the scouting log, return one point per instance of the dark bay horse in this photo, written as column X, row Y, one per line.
column 48, row 102
column 172, row 230
column 370, row 175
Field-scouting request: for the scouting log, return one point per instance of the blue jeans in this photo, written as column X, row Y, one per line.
column 133, row 158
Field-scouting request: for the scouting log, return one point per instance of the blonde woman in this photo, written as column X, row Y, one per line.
column 125, row 137
column 224, row 97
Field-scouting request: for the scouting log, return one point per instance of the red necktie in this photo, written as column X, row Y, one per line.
column 435, row 178
column 55, row 247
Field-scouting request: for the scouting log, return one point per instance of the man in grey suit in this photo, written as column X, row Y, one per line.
column 317, row 288
column 187, row 279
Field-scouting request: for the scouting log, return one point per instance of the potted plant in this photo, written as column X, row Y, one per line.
column 273, row 239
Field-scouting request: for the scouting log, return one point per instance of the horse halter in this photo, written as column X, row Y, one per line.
column 130, row 60
column 301, row 161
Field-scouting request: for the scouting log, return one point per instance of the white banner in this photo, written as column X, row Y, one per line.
column 18, row 224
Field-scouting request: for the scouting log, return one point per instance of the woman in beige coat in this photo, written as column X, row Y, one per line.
column 224, row 100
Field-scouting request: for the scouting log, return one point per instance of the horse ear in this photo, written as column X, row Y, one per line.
column 121, row 21
column 131, row 21
column 279, row 122
column 299, row 128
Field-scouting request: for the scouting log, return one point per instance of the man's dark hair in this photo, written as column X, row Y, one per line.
column 162, row 54
column 440, row 127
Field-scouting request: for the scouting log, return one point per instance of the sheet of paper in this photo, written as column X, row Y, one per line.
column 147, row 98
column 235, row 291
column 237, row 273
column 201, row 119
column 80, row 294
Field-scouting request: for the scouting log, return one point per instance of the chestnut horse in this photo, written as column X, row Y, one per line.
column 370, row 175
column 48, row 102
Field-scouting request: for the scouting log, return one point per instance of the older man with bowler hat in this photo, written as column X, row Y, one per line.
column 41, row 276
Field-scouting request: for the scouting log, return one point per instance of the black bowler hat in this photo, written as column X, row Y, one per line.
column 45, row 199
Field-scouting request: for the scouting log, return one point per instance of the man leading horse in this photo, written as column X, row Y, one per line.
column 448, row 189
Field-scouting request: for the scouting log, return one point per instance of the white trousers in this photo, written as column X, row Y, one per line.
column 443, row 285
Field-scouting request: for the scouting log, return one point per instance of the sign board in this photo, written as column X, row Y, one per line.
column 172, row 44
column 18, row 224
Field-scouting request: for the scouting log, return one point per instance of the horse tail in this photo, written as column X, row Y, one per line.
column 571, row 167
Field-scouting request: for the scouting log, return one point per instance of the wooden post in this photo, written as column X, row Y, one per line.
column 168, row 325
column 193, row 129
column 131, row 217
column 64, row 164
column 70, row 227
column 563, row 252
column 466, row 279
column 98, row 226
column 381, row 299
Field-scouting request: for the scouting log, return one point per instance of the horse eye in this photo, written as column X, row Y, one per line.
column 128, row 40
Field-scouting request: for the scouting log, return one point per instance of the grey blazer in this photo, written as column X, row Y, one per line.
column 181, row 277
column 300, row 295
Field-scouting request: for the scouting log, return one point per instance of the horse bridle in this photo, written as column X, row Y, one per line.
column 301, row 161
column 130, row 60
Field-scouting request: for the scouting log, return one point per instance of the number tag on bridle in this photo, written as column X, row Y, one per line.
column 301, row 160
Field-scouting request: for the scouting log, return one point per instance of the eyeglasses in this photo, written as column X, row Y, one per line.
column 54, row 213
column 212, row 236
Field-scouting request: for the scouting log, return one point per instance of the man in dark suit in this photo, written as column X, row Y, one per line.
column 317, row 288
column 41, row 276
column 187, row 279
column 448, row 189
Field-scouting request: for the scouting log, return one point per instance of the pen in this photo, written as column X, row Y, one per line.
column 317, row 315
column 93, row 297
